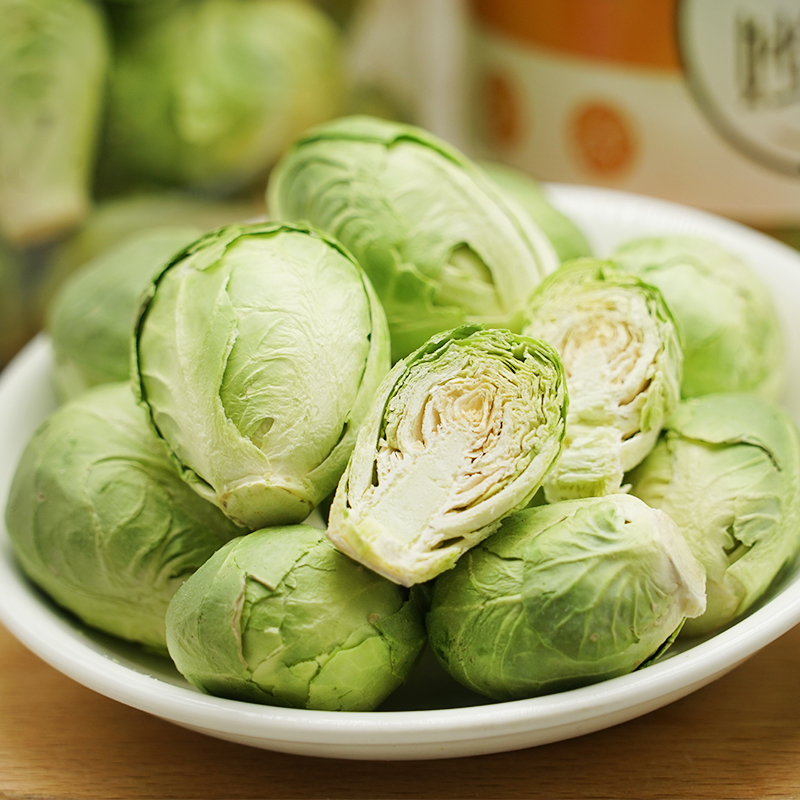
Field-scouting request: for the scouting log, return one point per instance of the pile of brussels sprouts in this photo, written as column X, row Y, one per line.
column 411, row 407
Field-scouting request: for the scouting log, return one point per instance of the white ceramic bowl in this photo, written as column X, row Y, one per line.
column 430, row 717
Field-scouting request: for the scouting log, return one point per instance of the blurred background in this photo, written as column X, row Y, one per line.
column 117, row 115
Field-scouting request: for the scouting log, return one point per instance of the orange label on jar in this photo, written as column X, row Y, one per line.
column 637, row 32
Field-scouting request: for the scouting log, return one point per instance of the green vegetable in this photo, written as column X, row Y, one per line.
column 281, row 617
column 53, row 61
column 100, row 519
column 727, row 470
column 732, row 340
column 211, row 93
column 437, row 238
column 461, row 433
column 564, row 595
column 92, row 317
column 258, row 351
column 566, row 237
column 622, row 357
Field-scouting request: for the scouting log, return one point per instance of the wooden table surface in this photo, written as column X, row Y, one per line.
column 736, row 738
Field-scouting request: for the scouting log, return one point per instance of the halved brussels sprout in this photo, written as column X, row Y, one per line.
column 211, row 93
column 729, row 327
column 53, row 61
column 727, row 470
column 566, row 237
column 461, row 433
column 100, row 519
column 622, row 357
column 91, row 319
column 283, row 618
column 258, row 351
column 439, row 241
column 564, row 595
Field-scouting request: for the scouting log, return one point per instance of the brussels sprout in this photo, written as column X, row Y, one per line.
column 564, row 595
column 53, row 61
column 727, row 470
column 100, row 519
column 281, row 617
column 622, row 357
column 258, row 351
column 731, row 336
column 461, row 433
column 212, row 93
column 566, row 237
column 436, row 237
column 92, row 317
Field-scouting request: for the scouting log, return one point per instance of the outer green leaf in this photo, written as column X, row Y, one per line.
column 564, row 595
column 461, row 433
column 727, row 470
column 258, row 351
column 566, row 237
column 622, row 358
column 439, row 241
column 100, row 519
column 281, row 617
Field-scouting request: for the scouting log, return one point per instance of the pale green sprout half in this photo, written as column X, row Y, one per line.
column 101, row 520
column 53, row 60
column 440, row 242
column 566, row 237
column 730, row 330
column 461, row 433
column 212, row 92
column 281, row 617
column 564, row 595
column 622, row 358
column 258, row 352
column 727, row 470
column 91, row 319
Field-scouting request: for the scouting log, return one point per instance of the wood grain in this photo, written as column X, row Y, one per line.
column 737, row 738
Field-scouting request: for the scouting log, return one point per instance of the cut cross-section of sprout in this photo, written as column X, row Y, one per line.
column 461, row 433
column 622, row 359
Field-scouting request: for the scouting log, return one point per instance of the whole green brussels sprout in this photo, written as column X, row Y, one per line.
column 281, row 617
column 564, row 595
column 438, row 239
column 730, row 332
column 211, row 93
column 100, row 519
column 566, row 237
column 53, row 63
column 727, row 470
column 91, row 319
column 257, row 351
column 461, row 433
column 622, row 357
